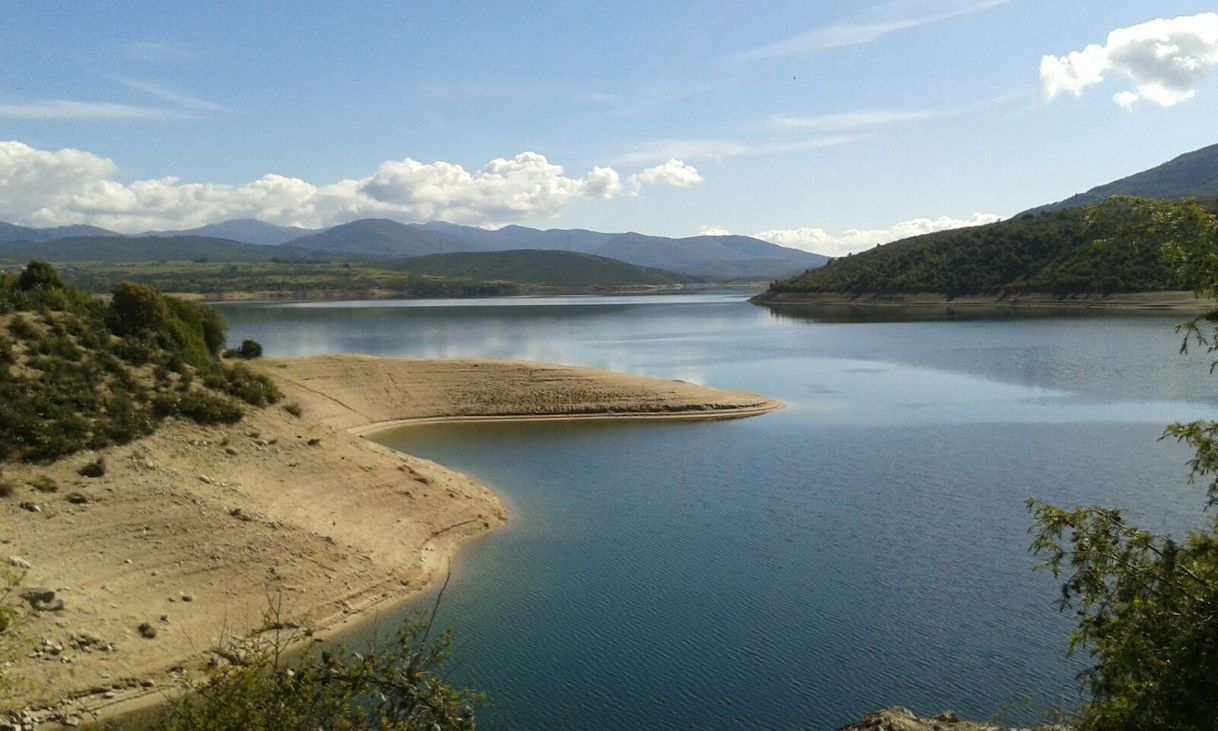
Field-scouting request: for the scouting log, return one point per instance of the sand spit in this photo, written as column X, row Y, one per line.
column 192, row 531
column 364, row 394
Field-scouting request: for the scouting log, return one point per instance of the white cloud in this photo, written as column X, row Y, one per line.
column 1166, row 60
column 853, row 34
column 673, row 173
column 713, row 149
column 184, row 101
column 854, row 120
column 83, row 111
column 855, row 240
column 44, row 188
column 713, row 231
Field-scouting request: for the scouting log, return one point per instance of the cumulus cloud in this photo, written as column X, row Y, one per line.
column 1165, row 59
column 673, row 173
column 855, row 240
column 51, row 188
column 719, row 149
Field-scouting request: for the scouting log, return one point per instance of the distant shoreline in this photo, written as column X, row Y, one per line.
column 378, row 294
column 1175, row 302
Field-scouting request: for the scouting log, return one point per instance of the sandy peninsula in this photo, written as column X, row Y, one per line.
column 193, row 530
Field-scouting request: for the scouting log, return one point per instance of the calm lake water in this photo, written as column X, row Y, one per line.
column 864, row 547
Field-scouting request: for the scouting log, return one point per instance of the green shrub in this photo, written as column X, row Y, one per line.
column 203, row 407
column 39, row 275
column 21, row 328
column 186, row 328
column 252, row 388
column 136, row 309
column 399, row 687
column 249, row 349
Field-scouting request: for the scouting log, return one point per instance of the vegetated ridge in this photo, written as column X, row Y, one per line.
column 1063, row 249
column 77, row 373
column 1191, row 175
column 1062, row 252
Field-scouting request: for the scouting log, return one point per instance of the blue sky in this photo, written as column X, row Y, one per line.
column 800, row 120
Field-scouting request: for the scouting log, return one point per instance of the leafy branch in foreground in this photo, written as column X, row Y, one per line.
column 396, row 687
column 1146, row 604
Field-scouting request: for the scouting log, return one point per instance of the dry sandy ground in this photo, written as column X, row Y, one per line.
column 194, row 530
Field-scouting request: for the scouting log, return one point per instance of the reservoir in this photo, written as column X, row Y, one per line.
column 864, row 547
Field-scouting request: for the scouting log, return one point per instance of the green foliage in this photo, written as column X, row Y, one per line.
column 204, row 407
column 39, row 275
column 249, row 349
column 398, row 687
column 136, row 310
column 1147, row 605
column 1061, row 253
column 80, row 374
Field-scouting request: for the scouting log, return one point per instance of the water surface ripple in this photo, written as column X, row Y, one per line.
column 864, row 547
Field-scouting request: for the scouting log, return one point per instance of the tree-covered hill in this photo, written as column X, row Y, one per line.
column 1062, row 252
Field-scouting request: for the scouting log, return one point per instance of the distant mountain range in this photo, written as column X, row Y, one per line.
column 11, row 232
column 247, row 230
column 719, row 258
column 1191, row 175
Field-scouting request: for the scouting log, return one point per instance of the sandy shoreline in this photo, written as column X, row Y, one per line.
column 193, row 529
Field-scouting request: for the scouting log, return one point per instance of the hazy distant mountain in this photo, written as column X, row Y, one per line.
column 12, row 232
column 1191, row 175
column 535, row 266
column 381, row 238
column 716, row 257
column 710, row 257
column 248, row 230
column 130, row 249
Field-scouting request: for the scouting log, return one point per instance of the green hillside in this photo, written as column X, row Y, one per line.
column 78, row 373
column 534, row 266
column 1062, row 252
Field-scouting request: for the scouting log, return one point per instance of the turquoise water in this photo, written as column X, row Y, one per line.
column 864, row 547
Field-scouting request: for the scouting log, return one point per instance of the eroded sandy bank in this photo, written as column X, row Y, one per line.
column 193, row 530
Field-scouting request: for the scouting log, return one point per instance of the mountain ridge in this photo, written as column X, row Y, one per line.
column 1189, row 175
